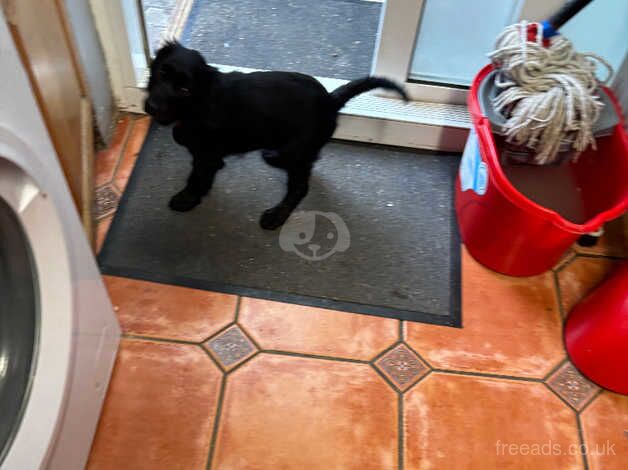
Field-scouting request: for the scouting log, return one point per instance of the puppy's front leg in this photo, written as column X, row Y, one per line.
column 200, row 181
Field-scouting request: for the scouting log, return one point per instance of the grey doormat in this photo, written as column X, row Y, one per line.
column 326, row 38
column 375, row 235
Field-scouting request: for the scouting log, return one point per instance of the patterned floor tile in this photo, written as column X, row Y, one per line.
column 298, row 413
column 131, row 151
column 511, row 326
column 310, row 330
column 230, row 347
column 605, row 430
column 402, row 366
column 459, row 421
column 170, row 312
column 105, row 201
column 571, row 386
column 102, row 227
column 159, row 411
column 107, row 160
column 160, row 407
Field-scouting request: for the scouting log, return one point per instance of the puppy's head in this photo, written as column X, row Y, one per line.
column 176, row 77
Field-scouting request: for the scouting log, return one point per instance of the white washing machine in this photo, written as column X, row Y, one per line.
column 58, row 332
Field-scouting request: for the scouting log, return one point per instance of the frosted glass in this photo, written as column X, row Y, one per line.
column 602, row 27
column 455, row 35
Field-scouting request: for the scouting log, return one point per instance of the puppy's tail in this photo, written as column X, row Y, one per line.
column 344, row 93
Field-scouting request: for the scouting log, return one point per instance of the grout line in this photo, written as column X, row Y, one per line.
column 158, row 339
column 563, row 263
column 237, row 308
column 103, row 220
column 429, row 366
column 219, row 332
column 244, row 361
column 122, row 152
column 571, row 407
column 583, row 447
column 559, row 298
column 212, row 445
column 313, row 356
column 106, row 215
column 119, row 156
column 214, row 360
column 395, row 388
column 249, row 336
column 591, row 400
column 400, row 431
column 602, row 256
column 120, row 190
column 555, row 369
column 103, row 186
column 489, row 375
column 401, row 330
column 419, row 380
column 381, row 354
column 97, row 223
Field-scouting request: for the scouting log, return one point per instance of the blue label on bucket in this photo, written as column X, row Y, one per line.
column 473, row 171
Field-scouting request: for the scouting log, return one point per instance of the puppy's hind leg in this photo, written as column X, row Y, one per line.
column 298, row 186
column 199, row 183
column 275, row 159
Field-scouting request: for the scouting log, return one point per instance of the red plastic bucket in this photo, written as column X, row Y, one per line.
column 510, row 233
column 596, row 333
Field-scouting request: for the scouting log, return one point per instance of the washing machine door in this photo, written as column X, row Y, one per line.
column 18, row 322
column 36, row 319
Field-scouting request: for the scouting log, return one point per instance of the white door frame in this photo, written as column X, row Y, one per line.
column 397, row 37
column 119, row 25
column 436, row 119
column 419, row 126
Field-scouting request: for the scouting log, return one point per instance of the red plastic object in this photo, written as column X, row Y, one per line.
column 532, row 33
column 511, row 234
column 596, row 333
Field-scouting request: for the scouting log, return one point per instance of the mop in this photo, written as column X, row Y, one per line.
column 548, row 91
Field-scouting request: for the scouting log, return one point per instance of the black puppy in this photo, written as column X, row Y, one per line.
column 289, row 116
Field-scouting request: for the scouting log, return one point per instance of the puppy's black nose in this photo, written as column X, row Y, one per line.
column 149, row 107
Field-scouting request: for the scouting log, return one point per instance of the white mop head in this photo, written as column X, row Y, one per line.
column 549, row 94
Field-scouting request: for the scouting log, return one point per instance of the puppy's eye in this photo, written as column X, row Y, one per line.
column 183, row 89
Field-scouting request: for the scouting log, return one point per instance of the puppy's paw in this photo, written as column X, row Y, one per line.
column 273, row 158
column 269, row 154
column 274, row 218
column 184, row 201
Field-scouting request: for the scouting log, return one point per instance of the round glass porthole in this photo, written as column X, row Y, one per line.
column 18, row 323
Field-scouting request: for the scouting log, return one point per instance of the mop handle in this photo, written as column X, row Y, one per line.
column 566, row 12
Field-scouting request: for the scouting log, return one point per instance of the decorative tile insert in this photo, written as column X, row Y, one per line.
column 402, row 366
column 230, row 347
column 106, row 201
column 571, row 386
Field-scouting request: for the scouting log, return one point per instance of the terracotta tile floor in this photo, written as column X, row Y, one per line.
column 210, row 380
